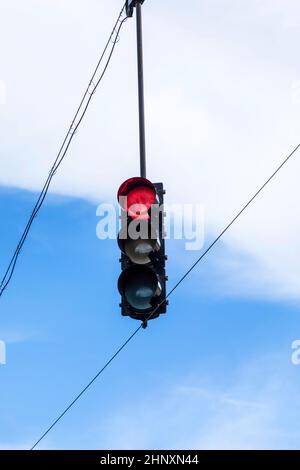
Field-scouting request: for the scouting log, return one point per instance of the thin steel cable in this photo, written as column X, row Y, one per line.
column 167, row 296
column 86, row 387
column 87, row 96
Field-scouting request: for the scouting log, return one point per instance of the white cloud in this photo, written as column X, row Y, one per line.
column 3, row 92
column 221, row 114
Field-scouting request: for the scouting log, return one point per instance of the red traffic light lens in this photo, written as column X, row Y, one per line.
column 140, row 194
column 139, row 201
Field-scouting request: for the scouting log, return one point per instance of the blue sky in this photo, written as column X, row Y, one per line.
column 222, row 110
column 210, row 359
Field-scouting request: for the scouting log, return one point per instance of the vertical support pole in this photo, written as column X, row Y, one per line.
column 139, row 34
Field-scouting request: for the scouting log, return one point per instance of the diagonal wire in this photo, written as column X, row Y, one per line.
column 167, row 296
column 80, row 112
column 87, row 386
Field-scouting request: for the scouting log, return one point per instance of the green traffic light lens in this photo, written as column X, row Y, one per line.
column 139, row 284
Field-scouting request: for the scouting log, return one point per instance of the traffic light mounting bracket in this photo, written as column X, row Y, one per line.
column 130, row 6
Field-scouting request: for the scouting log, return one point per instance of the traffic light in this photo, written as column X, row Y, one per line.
column 142, row 283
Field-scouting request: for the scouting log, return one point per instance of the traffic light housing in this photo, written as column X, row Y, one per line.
column 142, row 283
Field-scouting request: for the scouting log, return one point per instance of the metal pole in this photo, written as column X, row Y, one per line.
column 139, row 34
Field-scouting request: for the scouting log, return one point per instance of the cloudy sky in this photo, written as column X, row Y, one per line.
column 222, row 82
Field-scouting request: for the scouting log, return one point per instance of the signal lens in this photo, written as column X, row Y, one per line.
column 139, row 201
column 140, row 194
column 139, row 250
column 139, row 285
